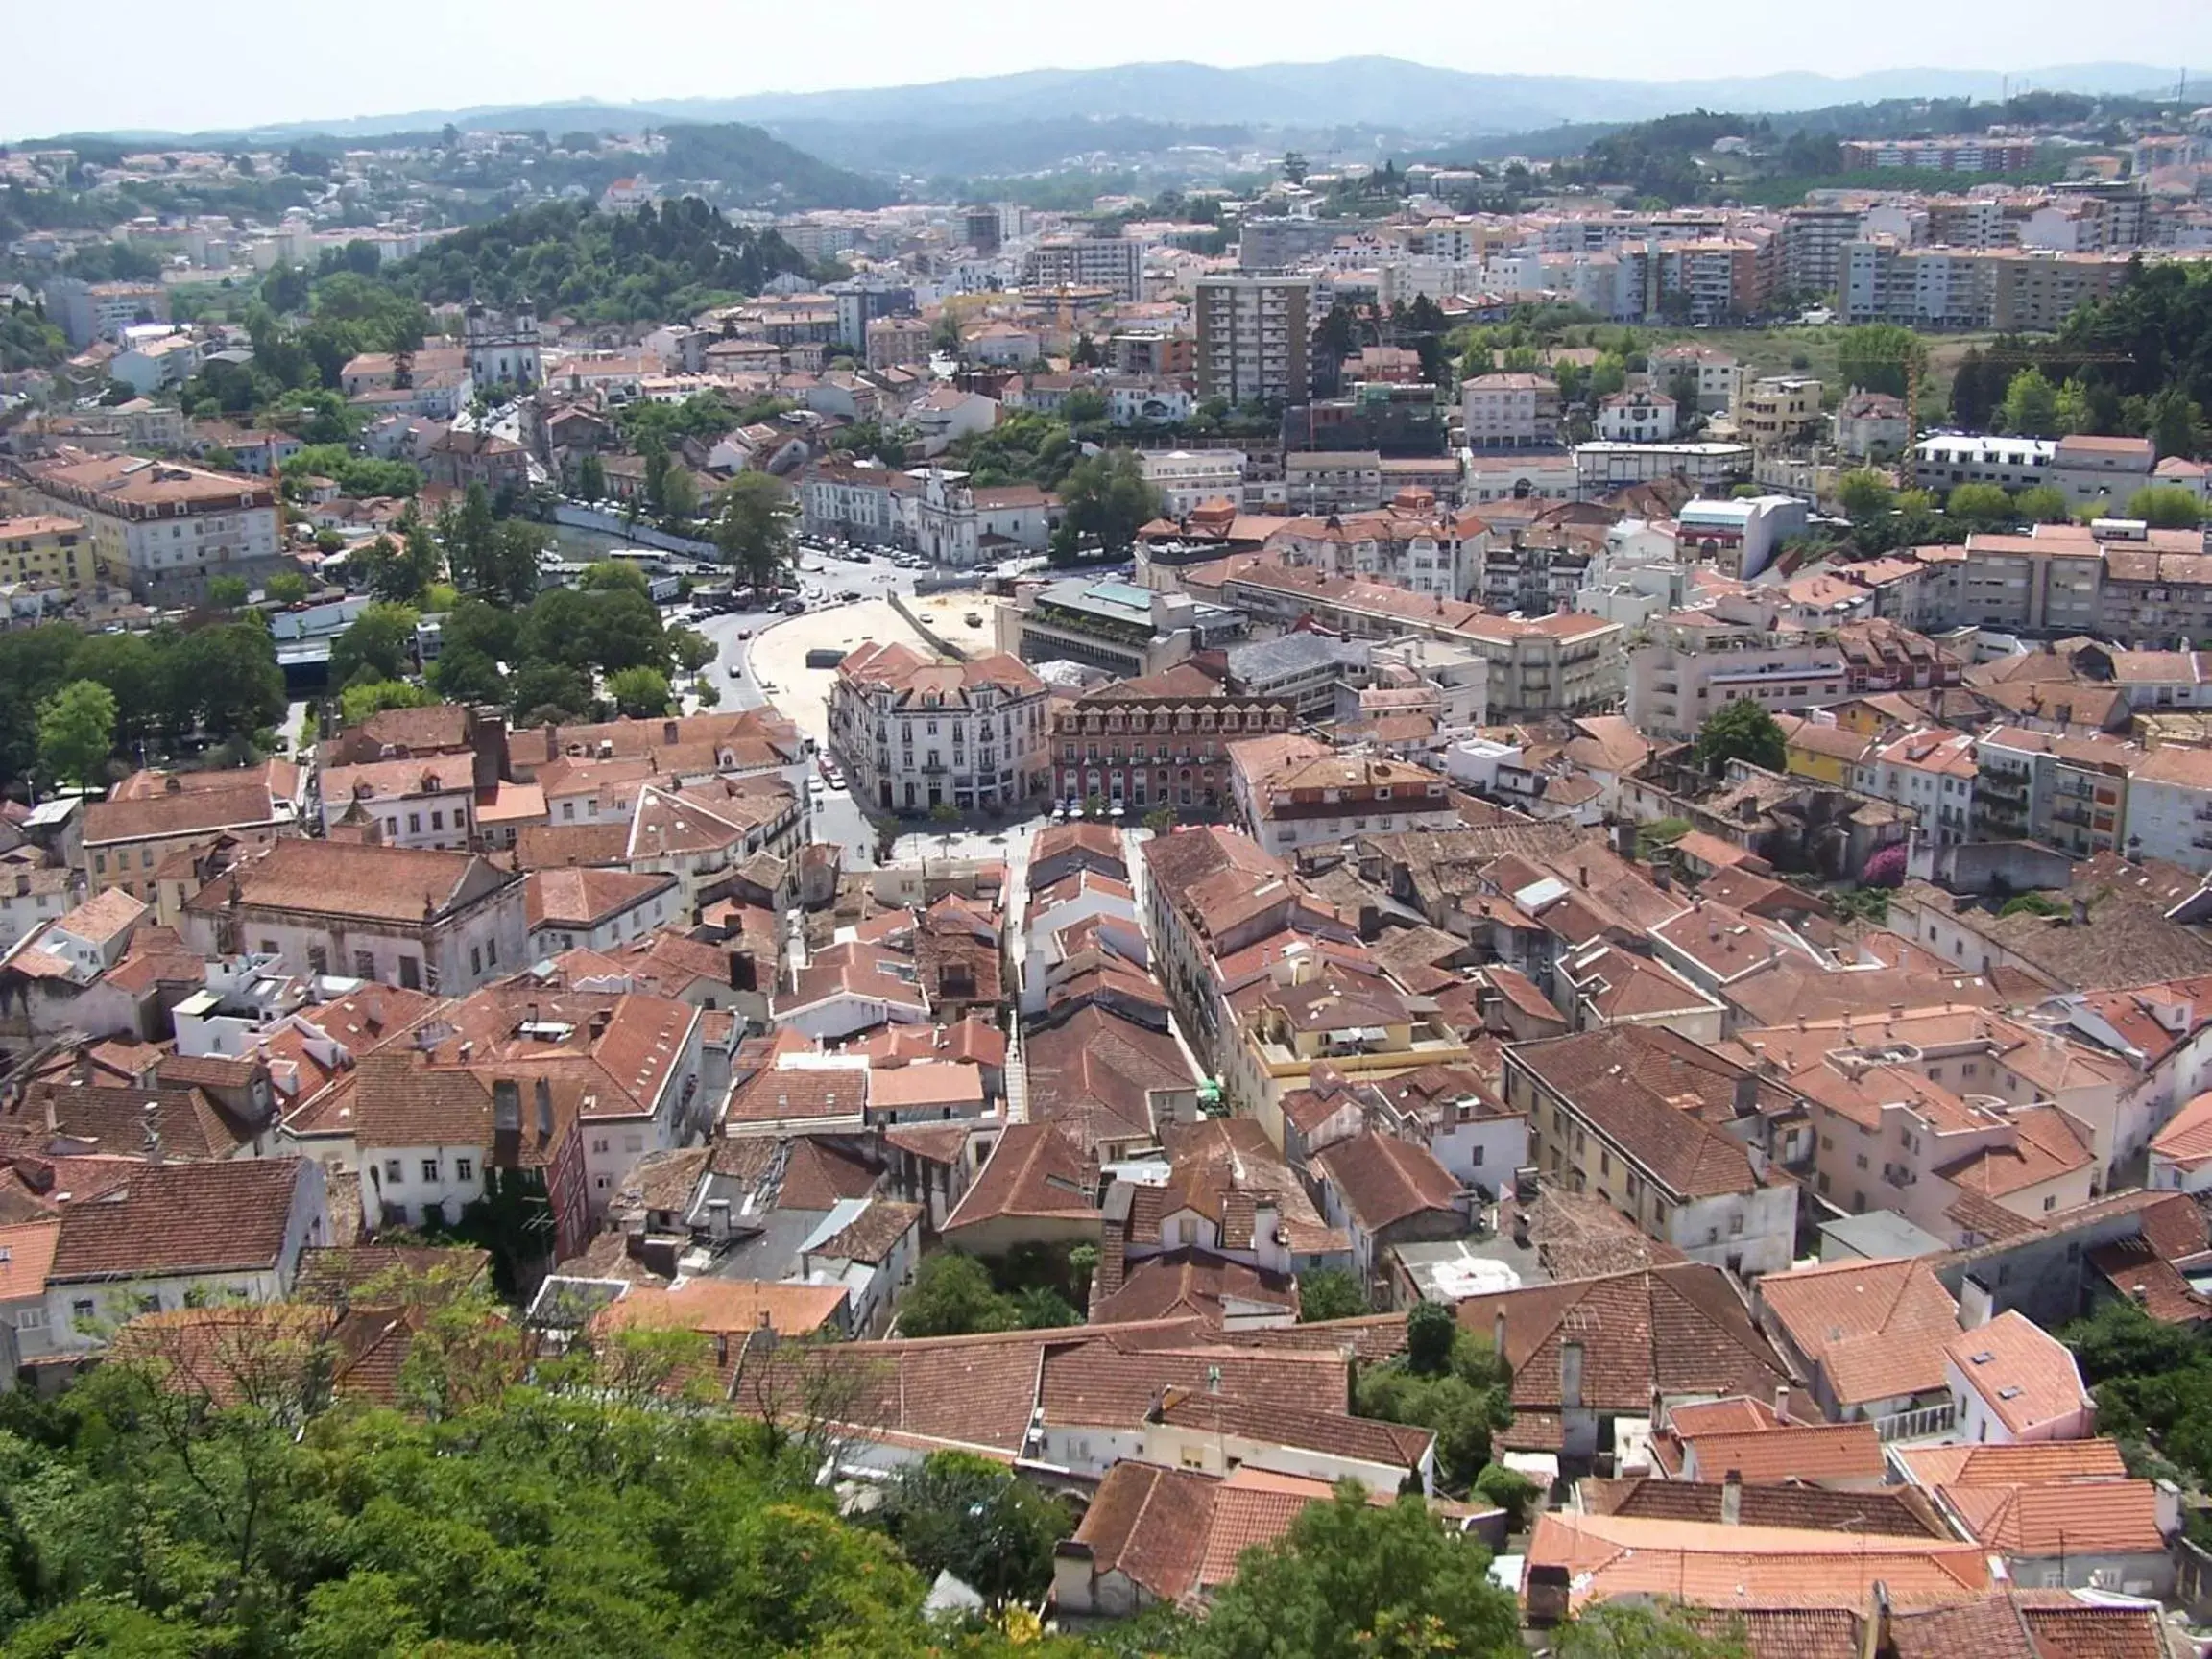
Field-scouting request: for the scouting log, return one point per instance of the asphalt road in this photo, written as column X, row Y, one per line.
column 836, row 817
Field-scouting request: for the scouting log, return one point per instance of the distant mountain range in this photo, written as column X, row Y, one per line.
column 1349, row 91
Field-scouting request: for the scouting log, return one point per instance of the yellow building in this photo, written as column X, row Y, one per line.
column 1826, row 754
column 48, row 550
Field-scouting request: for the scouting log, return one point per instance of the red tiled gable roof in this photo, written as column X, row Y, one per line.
column 1877, row 1329
column 1384, row 1180
column 1114, row 1379
column 586, row 898
column 1034, row 1170
column 115, row 1120
column 2027, row 1378
column 1900, row 1511
column 351, row 878
column 1681, row 1329
column 243, row 805
column 181, row 1218
column 2071, row 1517
column 1192, row 1283
column 2024, row 1463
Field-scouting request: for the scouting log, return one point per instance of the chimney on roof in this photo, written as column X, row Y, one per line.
column 1497, row 1318
column 1571, row 1375
column 152, row 1112
column 1732, row 1498
column 718, row 1219
column 506, row 1106
column 1746, row 1093
column 1782, row 1400
column 542, row 1092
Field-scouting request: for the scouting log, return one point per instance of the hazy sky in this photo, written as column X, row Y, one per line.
column 161, row 65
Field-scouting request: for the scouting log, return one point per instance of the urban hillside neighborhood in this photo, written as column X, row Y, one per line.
column 1201, row 900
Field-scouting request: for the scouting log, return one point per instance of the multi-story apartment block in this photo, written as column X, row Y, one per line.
column 1813, row 242
column 1703, row 377
column 1158, row 740
column 916, row 733
column 1112, row 262
column 46, row 549
column 2067, row 792
column 164, row 528
column 898, row 341
column 1186, row 479
column 1932, row 773
column 1715, row 278
column 1112, row 625
column 1254, row 338
column 90, row 311
column 1780, row 410
column 1939, row 154
column 1510, row 412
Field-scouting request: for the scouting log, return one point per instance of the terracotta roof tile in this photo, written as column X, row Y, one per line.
column 181, row 1218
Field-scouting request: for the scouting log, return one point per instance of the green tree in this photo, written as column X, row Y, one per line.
column 592, row 479
column 1104, row 501
column 2043, row 504
column 2167, row 507
column 131, row 666
column 464, row 530
column 1741, row 730
column 545, row 690
column 691, row 650
column 1330, row 1293
column 951, row 1296
column 225, row 682
column 641, row 692
column 678, row 494
column 754, row 528
column 611, row 576
column 1866, row 494
column 286, row 587
column 379, row 646
column 957, row 1513
column 2030, row 406
column 77, row 732
column 366, row 697
column 1354, row 1579
column 1874, row 358
column 2175, row 423
column 1430, row 1331
column 2071, row 410
column 1985, row 506
column 226, row 592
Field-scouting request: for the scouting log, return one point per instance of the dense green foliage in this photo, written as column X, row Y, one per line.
column 2154, row 1387
column 1330, row 1293
column 219, row 681
column 1448, row 1380
column 648, row 265
column 1352, row 1579
column 1104, row 501
column 494, row 1520
column 955, row 1295
column 1741, row 730
column 27, row 340
column 954, row 1512
column 1657, row 1630
column 752, row 166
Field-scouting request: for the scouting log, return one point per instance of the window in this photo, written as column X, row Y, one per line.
column 437, row 819
column 632, row 1143
column 492, row 947
column 600, row 1145
column 410, row 973
column 476, row 960
column 318, row 959
column 83, row 1309
column 150, row 1303
column 430, row 1169
column 395, row 1171
column 413, row 823
column 2050, row 1202
column 463, row 1168
column 364, row 965
column 30, row 1319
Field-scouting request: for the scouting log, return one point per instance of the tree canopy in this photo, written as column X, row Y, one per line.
column 1741, row 730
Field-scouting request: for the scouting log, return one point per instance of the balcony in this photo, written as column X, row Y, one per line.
column 1923, row 1423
